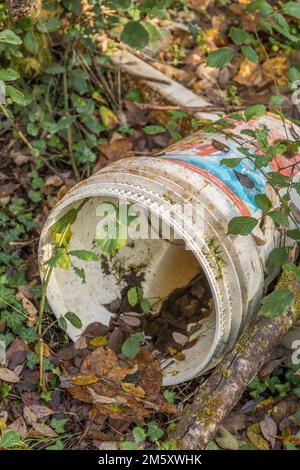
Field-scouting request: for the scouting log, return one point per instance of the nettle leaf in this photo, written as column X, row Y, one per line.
column 241, row 225
column 132, row 296
column 292, row 9
column 279, row 218
column 16, row 95
column 255, row 110
column 73, row 319
column 9, row 37
column 250, row 54
column 276, row 303
column 9, row 75
column 86, row 255
column 220, row 58
column 135, row 35
column 238, row 35
column 278, row 256
column 231, row 162
column 67, row 219
column 131, row 346
column 263, row 202
column 294, row 234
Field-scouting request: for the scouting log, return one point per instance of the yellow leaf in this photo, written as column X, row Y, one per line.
column 180, row 356
column 254, row 428
column 64, row 262
column 99, row 341
column 84, row 380
column 257, row 440
column 2, row 424
column 135, row 390
column 108, row 117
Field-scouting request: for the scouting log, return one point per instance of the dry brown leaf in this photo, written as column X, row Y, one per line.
column 105, row 399
column 80, row 343
column 277, row 67
column 269, row 429
column 44, row 430
column 135, row 390
column 8, row 375
column 104, row 363
column 29, row 307
column 250, row 75
column 118, row 149
column 257, row 440
column 226, row 440
column 151, row 375
column 84, row 380
column 19, row 426
column 29, row 416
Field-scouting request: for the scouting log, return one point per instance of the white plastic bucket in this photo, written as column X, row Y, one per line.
column 190, row 173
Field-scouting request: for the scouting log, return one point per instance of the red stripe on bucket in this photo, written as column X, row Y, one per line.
column 218, row 183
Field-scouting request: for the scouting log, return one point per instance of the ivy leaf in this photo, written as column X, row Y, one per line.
column 278, row 256
column 255, row 110
column 10, row 439
column 131, row 346
column 135, row 35
column 263, row 202
column 292, row 9
column 276, row 303
column 86, row 255
column 9, row 37
column 73, row 319
column 238, row 35
column 250, row 54
column 220, row 58
column 58, row 425
column 169, row 396
column 241, row 225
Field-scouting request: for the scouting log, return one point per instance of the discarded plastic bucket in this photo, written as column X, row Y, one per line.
column 188, row 174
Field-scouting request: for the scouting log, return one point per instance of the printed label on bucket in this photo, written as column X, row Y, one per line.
column 241, row 183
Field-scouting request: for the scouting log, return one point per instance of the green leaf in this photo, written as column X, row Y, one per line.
column 220, row 58
column 31, row 43
column 10, row 439
column 289, row 267
column 238, row 35
column 154, row 431
column 86, row 255
column 128, row 445
column 145, row 305
column 58, row 425
column 67, row 219
column 16, row 95
column 62, row 323
column 27, row 334
column 277, row 179
column 250, row 54
column 58, row 445
column 263, row 202
column 242, row 225
column 278, row 256
column 294, row 234
column 131, row 346
column 9, row 37
column 277, row 100
column 132, row 296
column 80, row 273
column 292, row 9
column 231, row 162
column 169, row 396
column 255, row 110
column 279, row 218
column 135, row 35
column 139, row 434
column 276, row 303
column 154, row 129
column 8, row 75
column 73, row 319
column 54, row 69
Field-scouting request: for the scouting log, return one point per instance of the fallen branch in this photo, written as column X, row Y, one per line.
column 222, row 390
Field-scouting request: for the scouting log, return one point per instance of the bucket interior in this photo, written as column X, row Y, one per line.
column 159, row 266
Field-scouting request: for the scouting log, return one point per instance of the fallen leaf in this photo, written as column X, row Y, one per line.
column 30, row 309
column 104, row 363
column 99, row 341
column 235, row 421
column 135, row 390
column 8, row 375
column 19, row 426
column 269, row 430
column 226, row 440
column 44, row 430
column 257, row 440
column 113, row 150
column 84, row 380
